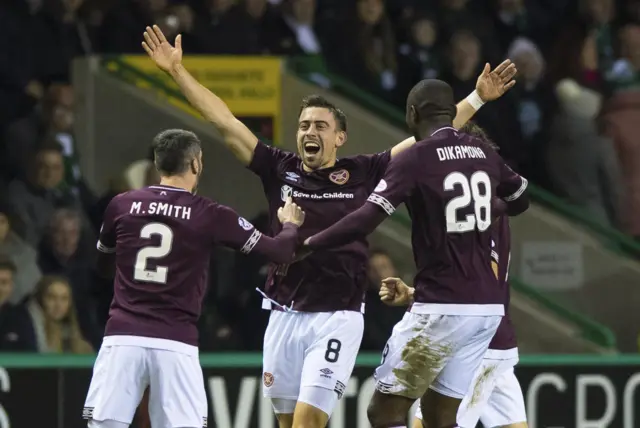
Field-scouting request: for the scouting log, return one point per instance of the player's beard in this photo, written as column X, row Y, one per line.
column 312, row 160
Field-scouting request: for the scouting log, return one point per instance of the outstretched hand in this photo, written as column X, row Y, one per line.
column 491, row 85
column 160, row 50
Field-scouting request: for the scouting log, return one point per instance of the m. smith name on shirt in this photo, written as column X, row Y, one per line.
column 161, row 208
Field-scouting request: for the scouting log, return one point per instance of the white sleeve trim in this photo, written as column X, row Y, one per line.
column 251, row 242
column 518, row 192
column 104, row 249
column 382, row 203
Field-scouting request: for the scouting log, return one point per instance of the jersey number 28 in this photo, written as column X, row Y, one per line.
column 140, row 270
column 472, row 193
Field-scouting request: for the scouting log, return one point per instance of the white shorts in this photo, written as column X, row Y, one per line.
column 495, row 398
column 303, row 349
column 177, row 398
column 440, row 352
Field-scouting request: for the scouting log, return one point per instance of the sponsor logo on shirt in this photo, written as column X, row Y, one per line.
column 267, row 378
column 339, row 177
column 288, row 191
column 285, row 192
column 244, row 223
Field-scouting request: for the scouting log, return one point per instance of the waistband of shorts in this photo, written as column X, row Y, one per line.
column 471, row 310
column 502, row 354
column 269, row 305
column 151, row 342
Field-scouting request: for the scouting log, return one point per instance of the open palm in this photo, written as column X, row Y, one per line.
column 492, row 85
column 160, row 50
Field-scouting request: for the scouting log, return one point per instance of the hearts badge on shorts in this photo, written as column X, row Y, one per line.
column 340, row 176
column 267, row 378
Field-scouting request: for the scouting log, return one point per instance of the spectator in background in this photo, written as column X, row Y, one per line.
column 625, row 74
column 519, row 18
column 36, row 198
column 532, row 98
column 22, row 71
column 26, row 273
column 622, row 125
column 294, row 32
column 264, row 18
column 54, row 121
column 62, row 254
column 370, row 55
column 465, row 52
column 465, row 15
column 419, row 58
column 16, row 333
column 66, row 36
column 125, row 21
column 583, row 167
column 224, row 28
column 599, row 17
column 138, row 174
column 379, row 319
column 54, row 318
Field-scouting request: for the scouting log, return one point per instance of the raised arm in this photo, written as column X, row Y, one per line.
column 237, row 233
column 236, row 136
column 391, row 191
column 490, row 86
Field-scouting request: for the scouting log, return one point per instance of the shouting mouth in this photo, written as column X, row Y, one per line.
column 311, row 148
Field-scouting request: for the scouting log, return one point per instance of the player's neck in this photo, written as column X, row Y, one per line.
column 329, row 164
column 425, row 129
column 179, row 182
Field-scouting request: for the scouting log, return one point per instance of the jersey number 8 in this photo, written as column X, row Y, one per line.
column 140, row 270
column 472, row 192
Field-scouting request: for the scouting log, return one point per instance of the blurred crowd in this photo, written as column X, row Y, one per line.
column 570, row 124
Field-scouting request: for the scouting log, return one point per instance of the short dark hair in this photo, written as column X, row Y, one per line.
column 49, row 144
column 432, row 98
column 174, row 149
column 7, row 264
column 475, row 130
column 378, row 252
column 321, row 102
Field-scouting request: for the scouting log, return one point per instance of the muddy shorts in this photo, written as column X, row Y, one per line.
column 495, row 398
column 441, row 352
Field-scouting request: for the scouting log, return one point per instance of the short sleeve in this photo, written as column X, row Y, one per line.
column 266, row 159
column 377, row 164
column 233, row 231
column 397, row 182
column 511, row 185
column 107, row 237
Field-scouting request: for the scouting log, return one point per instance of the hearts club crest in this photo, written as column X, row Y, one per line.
column 339, row 177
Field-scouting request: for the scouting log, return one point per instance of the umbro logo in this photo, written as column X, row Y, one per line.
column 292, row 176
column 326, row 371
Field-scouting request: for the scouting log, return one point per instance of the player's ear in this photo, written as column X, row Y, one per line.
column 194, row 170
column 342, row 138
column 413, row 114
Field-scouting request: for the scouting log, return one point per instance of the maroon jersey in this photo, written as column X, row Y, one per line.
column 447, row 182
column 330, row 280
column 505, row 337
column 162, row 238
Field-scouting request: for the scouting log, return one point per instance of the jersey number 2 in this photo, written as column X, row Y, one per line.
column 159, row 275
column 471, row 193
